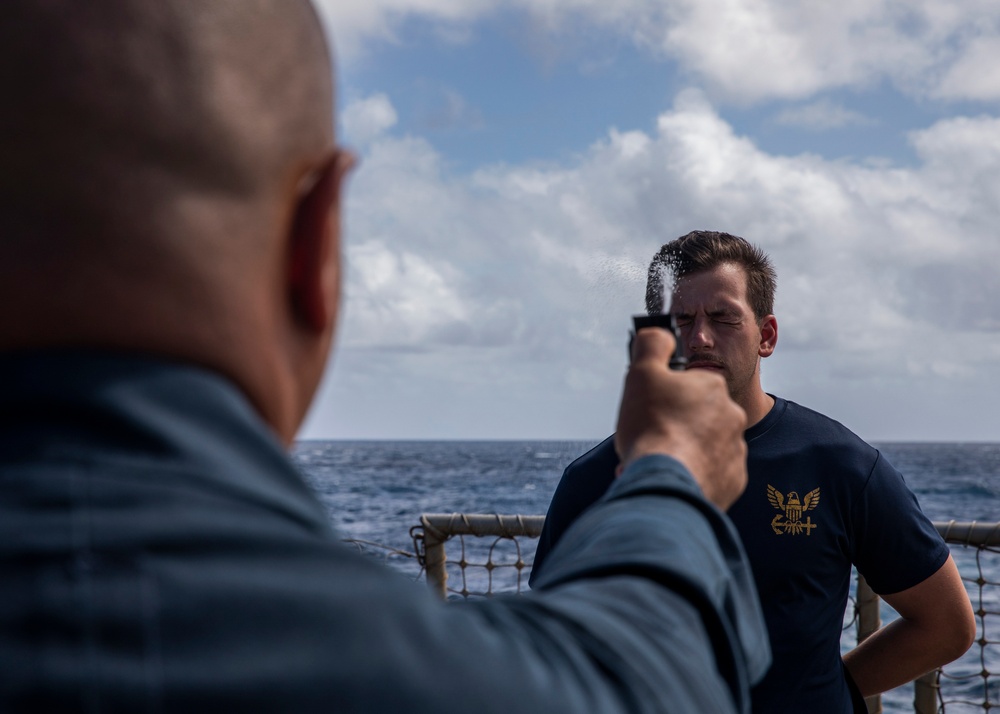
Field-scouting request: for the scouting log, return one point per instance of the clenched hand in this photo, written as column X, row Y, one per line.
column 686, row 415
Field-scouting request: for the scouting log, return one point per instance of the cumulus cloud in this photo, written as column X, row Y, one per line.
column 975, row 72
column 550, row 261
column 744, row 50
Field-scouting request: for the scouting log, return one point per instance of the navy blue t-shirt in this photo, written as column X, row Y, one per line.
column 819, row 499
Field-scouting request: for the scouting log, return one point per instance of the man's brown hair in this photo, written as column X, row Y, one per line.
column 703, row 250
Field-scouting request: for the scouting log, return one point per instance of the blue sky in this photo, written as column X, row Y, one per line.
column 521, row 161
column 495, row 96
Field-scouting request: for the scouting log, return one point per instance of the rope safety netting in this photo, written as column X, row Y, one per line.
column 480, row 555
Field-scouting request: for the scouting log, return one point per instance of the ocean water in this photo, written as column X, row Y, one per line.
column 375, row 491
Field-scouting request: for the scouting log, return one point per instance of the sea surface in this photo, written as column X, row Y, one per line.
column 375, row 491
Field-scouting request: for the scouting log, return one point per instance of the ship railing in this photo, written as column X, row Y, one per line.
column 490, row 559
column 502, row 558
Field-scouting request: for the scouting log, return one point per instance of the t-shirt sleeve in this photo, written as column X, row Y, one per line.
column 896, row 545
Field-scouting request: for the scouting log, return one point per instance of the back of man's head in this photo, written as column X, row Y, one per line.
column 117, row 110
column 704, row 250
column 152, row 153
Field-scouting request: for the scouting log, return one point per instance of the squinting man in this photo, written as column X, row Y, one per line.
column 819, row 499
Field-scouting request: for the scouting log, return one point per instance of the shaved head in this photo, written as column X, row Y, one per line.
column 148, row 101
column 157, row 157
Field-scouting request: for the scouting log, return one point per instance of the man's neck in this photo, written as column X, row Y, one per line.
column 757, row 405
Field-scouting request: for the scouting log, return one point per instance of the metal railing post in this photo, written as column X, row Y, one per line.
column 869, row 620
column 435, row 559
column 925, row 693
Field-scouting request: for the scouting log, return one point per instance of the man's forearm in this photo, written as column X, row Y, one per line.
column 894, row 655
column 936, row 626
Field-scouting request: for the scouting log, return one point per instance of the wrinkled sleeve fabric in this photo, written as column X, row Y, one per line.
column 163, row 555
column 583, row 482
column 198, row 602
column 647, row 605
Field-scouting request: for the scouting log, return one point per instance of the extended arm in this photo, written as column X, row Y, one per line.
column 658, row 570
column 936, row 626
column 582, row 484
column 646, row 604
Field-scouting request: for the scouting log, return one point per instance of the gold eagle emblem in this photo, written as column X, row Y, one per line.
column 792, row 508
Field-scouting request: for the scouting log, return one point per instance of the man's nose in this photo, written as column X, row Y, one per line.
column 699, row 335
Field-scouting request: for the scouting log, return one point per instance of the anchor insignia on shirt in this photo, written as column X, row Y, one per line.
column 792, row 509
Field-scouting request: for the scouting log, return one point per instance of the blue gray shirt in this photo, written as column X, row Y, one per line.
column 159, row 553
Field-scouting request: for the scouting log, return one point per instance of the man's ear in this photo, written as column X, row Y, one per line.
column 314, row 260
column 768, row 336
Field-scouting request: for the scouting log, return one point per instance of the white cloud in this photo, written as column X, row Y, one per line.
column 502, row 278
column 366, row 119
column 352, row 23
column 975, row 74
column 744, row 50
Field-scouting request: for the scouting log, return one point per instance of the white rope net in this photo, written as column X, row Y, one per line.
column 967, row 685
column 485, row 557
